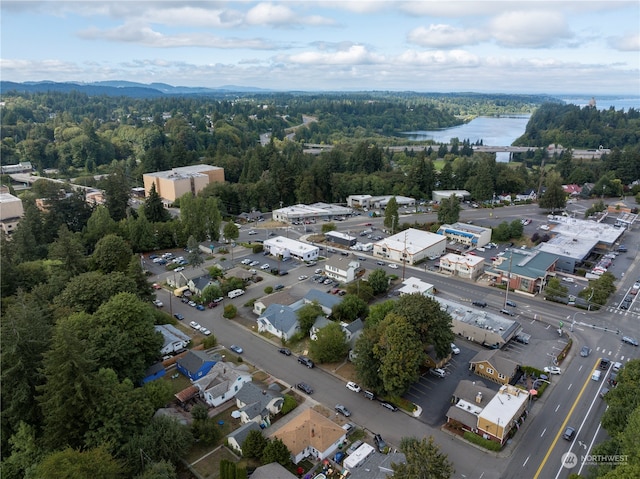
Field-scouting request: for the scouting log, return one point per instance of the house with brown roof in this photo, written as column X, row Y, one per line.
column 311, row 434
column 490, row 364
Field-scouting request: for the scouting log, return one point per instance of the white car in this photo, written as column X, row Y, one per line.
column 195, row 325
column 254, row 263
column 455, row 349
column 568, row 280
column 158, row 303
column 302, row 277
column 205, row 331
column 351, row 386
column 265, row 266
column 246, row 261
column 178, row 269
column 253, row 232
column 552, row 370
column 393, row 266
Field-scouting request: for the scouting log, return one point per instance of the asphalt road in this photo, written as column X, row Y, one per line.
column 537, row 449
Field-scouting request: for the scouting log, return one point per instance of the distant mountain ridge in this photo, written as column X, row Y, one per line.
column 124, row 88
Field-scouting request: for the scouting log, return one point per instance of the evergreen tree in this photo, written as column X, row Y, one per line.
column 391, row 216
column 154, row 210
column 554, row 197
column 449, row 210
column 117, row 192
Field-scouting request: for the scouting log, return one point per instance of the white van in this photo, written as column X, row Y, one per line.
column 596, row 375
column 235, row 293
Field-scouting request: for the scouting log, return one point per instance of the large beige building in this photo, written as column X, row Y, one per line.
column 11, row 211
column 172, row 184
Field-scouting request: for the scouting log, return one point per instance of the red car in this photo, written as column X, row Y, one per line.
column 213, row 304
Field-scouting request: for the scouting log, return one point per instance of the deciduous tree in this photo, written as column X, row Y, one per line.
column 379, row 281
column 349, row 309
column 112, row 253
column 75, row 463
column 449, row 210
column 331, row 344
column 423, row 460
column 307, row 315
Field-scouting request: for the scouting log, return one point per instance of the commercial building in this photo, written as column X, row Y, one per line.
column 439, row 195
column 377, row 202
column 465, row 234
column 310, row 213
column 464, row 266
column 11, row 211
column 340, row 238
column 523, row 270
column 172, row 184
column 414, row 285
column 286, row 248
column 410, row 246
column 488, row 329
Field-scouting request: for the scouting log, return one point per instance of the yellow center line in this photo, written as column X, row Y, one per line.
column 564, row 424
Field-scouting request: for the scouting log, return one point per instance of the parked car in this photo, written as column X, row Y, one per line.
column 552, row 370
column 302, row 277
column 157, row 303
column 265, row 266
column 351, row 386
column 193, row 304
column 630, row 340
column 205, row 331
column 178, row 316
column 285, row 351
column 480, row 304
column 305, row 388
column 511, row 303
column 342, row 410
column 438, row 372
column 236, row 349
column 278, row 287
column 380, row 444
column 200, row 307
column 393, row 266
column 195, row 325
column 455, row 349
column 306, row 361
column 349, row 428
column 568, row 280
column 389, row 406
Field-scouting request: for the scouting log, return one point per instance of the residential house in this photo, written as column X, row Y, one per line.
column 155, row 371
column 174, row 339
column 236, row 438
column 257, row 404
column 377, row 466
column 195, row 364
column 272, row 471
column 352, row 330
column 310, row 434
column 342, row 268
column 197, row 285
column 325, row 300
column 251, row 217
column 279, row 320
column 281, row 297
column 491, row 365
column 489, row 414
column 222, row 383
column 321, row 322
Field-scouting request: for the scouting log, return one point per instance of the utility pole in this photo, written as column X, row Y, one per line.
column 404, row 255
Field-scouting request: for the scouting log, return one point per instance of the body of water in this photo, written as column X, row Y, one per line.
column 606, row 102
column 492, row 131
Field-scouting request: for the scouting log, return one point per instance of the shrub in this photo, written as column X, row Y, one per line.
column 289, row 404
column 230, row 311
column 268, row 290
column 210, row 342
column 482, row 442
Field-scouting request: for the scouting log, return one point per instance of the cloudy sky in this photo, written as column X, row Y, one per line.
column 580, row 47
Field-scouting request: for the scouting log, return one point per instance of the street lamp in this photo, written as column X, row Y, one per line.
column 573, row 321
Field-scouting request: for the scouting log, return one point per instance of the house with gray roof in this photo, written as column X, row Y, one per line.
column 174, row 339
column 321, row 322
column 281, row 297
column 377, row 466
column 352, row 330
column 326, row 301
column 272, row 471
column 222, row 383
column 195, row 364
column 279, row 320
column 236, row 438
column 257, row 404
column 197, row 285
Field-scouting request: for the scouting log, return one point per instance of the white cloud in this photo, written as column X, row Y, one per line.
column 443, row 36
column 450, row 58
column 352, row 55
column 533, row 29
column 279, row 15
column 145, row 35
column 626, row 43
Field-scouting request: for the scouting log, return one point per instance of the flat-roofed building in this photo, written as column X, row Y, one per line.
column 341, row 238
column 465, row 266
column 300, row 213
column 469, row 235
column 410, row 246
column 440, row 195
column 286, row 248
column 474, row 324
column 172, row 184
column 414, row 285
column 11, row 210
column 378, row 202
